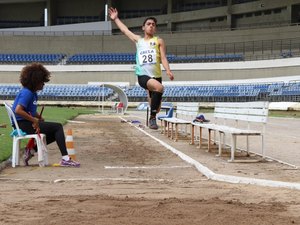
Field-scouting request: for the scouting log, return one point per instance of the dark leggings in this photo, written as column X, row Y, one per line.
column 53, row 131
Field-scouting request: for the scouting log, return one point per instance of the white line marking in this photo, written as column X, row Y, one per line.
column 145, row 167
column 221, row 177
column 22, row 180
column 112, row 179
column 75, row 121
column 88, row 179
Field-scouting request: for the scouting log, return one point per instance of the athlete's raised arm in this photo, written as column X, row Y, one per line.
column 113, row 14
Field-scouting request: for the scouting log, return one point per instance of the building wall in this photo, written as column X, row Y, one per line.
column 119, row 43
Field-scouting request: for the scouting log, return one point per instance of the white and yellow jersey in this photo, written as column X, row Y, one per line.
column 148, row 57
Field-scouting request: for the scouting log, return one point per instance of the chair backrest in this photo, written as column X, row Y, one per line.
column 244, row 111
column 170, row 113
column 120, row 105
column 187, row 108
column 12, row 118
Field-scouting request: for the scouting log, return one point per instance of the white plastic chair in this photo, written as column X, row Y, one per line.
column 39, row 138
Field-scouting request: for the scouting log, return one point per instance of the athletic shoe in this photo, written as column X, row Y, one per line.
column 28, row 154
column 69, row 163
column 152, row 123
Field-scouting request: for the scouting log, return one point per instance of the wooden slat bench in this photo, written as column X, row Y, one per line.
column 249, row 112
column 185, row 113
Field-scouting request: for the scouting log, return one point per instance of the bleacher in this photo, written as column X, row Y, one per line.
column 129, row 58
column 205, row 58
column 287, row 92
column 107, row 58
column 9, row 91
column 29, row 58
column 102, row 58
column 276, row 91
column 213, row 93
column 20, row 23
column 75, row 92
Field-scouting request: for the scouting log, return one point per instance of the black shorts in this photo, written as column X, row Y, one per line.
column 142, row 80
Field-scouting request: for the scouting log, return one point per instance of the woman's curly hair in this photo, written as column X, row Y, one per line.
column 33, row 75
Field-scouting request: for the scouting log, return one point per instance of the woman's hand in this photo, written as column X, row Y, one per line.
column 39, row 117
column 27, row 116
column 35, row 125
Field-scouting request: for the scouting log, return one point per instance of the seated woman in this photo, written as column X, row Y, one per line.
column 33, row 77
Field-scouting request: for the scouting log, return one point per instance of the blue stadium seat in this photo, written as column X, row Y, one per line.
column 29, row 58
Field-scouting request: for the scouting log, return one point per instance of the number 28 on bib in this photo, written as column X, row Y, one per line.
column 147, row 56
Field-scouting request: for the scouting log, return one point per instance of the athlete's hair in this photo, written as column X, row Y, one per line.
column 150, row 18
column 34, row 74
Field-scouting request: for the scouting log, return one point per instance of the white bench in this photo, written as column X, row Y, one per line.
column 185, row 113
column 249, row 112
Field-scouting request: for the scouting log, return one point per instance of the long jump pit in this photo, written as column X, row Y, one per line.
column 130, row 174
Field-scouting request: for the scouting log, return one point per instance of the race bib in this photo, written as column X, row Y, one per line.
column 147, row 56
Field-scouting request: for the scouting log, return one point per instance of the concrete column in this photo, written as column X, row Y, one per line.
column 229, row 14
column 289, row 12
column 169, row 12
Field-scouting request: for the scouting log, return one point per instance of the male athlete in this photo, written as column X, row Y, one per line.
column 150, row 53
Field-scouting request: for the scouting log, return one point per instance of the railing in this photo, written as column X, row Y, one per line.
column 76, row 19
column 55, row 33
column 251, row 50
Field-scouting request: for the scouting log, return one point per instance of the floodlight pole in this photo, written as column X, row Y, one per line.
column 106, row 12
column 45, row 17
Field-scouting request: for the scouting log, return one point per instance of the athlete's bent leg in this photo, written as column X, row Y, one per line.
column 156, row 90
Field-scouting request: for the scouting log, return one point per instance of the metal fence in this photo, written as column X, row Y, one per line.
column 252, row 50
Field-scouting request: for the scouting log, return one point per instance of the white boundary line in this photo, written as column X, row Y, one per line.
column 111, row 179
column 75, row 121
column 26, row 180
column 145, row 167
column 88, row 179
column 221, row 177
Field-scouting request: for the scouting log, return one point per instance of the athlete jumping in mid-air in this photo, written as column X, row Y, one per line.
column 151, row 52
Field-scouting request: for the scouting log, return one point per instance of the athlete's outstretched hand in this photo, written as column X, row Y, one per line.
column 113, row 13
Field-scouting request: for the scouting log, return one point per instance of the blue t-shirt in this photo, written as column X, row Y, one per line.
column 28, row 100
